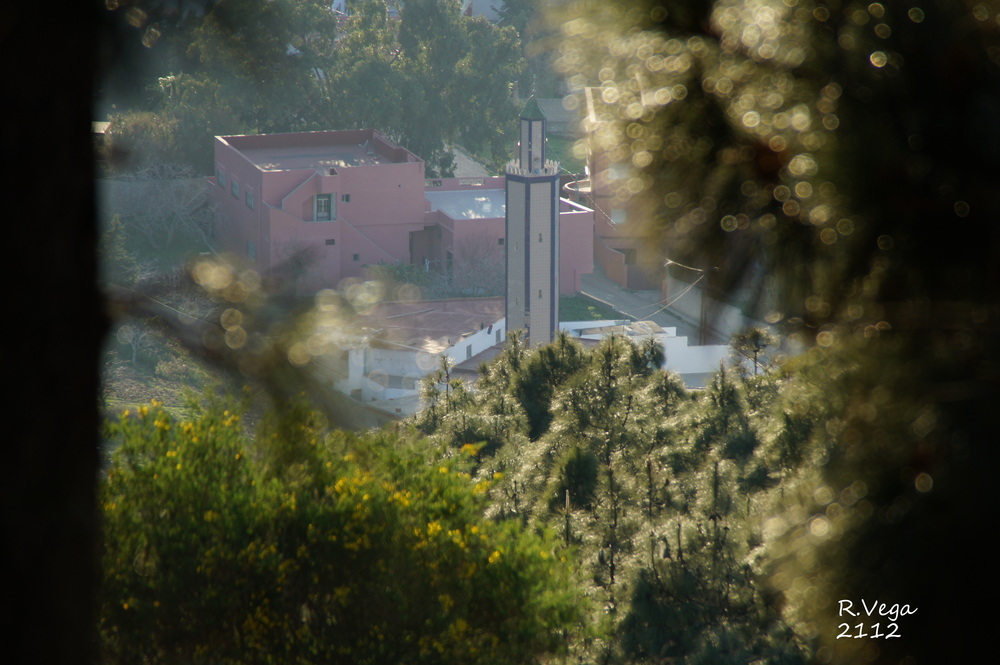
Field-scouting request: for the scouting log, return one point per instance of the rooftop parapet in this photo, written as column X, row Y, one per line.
column 550, row 168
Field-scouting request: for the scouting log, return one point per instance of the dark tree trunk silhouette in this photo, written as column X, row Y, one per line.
column 54, row 324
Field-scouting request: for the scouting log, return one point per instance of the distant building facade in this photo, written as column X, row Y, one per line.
column 616, row 251
column 320, row 206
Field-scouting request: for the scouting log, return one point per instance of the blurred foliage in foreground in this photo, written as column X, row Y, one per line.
column 847, row 147
column 843, row 156
column 301, row 544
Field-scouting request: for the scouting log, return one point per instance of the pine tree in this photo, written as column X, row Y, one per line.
column 843, row 150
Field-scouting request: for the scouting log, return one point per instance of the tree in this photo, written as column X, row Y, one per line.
column 202, row 107
column 160, row 206
column 453, row 97
column 118, row 264
column 428, row 78
column 484, row 103
column 187, row 112
column 266, row 54
column 135, row 139
column 312, row 545
column 659, row 489
column 135, row 336
column 840, row 147
column 539, row 41
column 751, row 343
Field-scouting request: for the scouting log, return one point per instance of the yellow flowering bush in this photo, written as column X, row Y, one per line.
column 226, row 546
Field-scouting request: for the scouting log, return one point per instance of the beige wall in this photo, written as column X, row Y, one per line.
column 515, row 255
column 543, row 290
column 533, row 256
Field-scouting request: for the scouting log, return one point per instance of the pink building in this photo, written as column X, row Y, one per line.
column 325, row 204
column 616, row 250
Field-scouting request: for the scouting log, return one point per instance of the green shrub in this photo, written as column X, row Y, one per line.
column 312, row 546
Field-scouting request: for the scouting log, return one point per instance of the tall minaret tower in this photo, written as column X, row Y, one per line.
column 532, row 240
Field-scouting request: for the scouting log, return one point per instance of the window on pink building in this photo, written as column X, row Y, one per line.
column 324, row 210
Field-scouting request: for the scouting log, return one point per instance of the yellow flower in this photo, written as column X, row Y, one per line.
column 495, row 556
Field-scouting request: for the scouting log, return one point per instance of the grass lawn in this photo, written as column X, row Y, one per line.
column 560, row 148
column 581, row 308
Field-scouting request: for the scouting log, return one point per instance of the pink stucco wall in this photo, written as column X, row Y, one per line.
column 386, row 204
column 576, row 246
column 376, row 205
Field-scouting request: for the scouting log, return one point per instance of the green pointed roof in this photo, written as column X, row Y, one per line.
column 532, row 111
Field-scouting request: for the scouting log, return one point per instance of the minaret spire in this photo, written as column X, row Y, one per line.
column 532, row 238
column 532, row 145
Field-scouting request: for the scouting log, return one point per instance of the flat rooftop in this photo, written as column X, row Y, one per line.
column 469, row 204
column 430, row 325
column 322, row 151
column 313, row 157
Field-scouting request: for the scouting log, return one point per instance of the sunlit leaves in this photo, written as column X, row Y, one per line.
column 661, row 490
column 311, row 545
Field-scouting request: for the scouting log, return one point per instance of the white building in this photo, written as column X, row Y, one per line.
column 695, row 364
